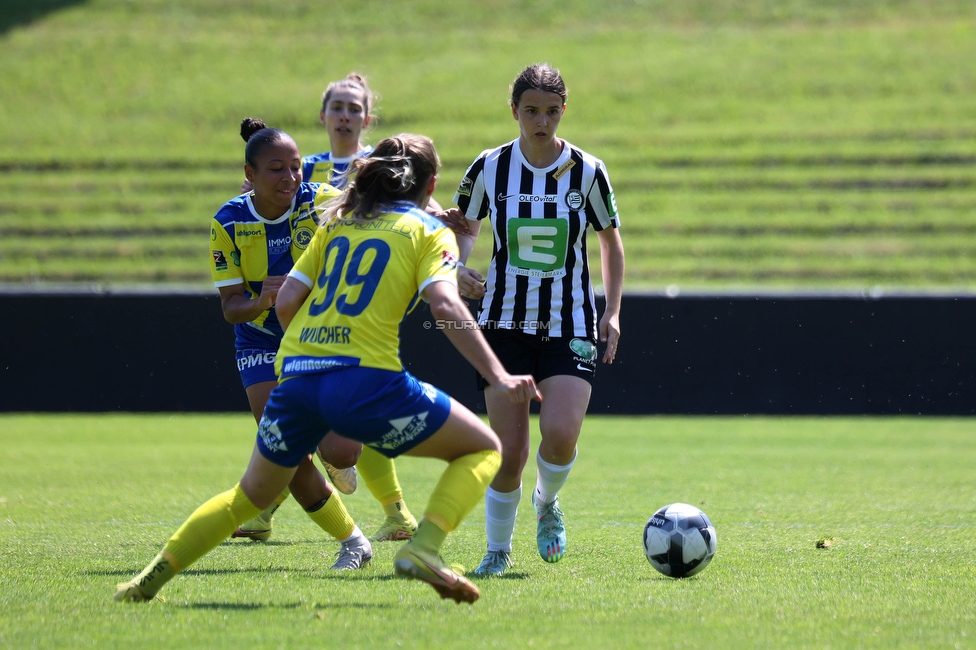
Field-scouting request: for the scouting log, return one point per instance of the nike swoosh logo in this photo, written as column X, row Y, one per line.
column 582, row 367
column 504, row 197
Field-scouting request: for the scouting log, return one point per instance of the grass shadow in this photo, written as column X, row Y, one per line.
column 230, row 541
column 196, row 572
column 508, row 575
column 357, row 576
column 15, row 13
column 262, row 606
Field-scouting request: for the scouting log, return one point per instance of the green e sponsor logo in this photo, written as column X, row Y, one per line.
column 612, row 205
column 538, row 244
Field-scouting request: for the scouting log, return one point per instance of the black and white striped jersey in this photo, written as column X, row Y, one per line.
column 538, row 280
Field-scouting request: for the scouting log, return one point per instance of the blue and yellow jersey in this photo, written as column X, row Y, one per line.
column 365, row 278
column 245, row 248
column 323, row 168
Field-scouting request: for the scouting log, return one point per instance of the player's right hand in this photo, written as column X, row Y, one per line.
column 470, row 283
column 519, row 388
column 269, row 289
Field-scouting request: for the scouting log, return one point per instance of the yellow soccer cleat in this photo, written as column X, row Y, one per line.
column 394, row 529
column 420, row 564
column 129, row 592
column 258, row 529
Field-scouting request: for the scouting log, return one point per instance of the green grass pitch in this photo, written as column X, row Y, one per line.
column 87, row 500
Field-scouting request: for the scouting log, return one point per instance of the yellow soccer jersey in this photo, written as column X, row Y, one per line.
column 245, row 248
column 364, row 279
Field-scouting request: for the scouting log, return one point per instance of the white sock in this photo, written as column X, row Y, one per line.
column 500, row 511
column 550, row 479
column 356, row 535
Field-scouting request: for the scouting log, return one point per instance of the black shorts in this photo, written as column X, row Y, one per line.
column 541, row 357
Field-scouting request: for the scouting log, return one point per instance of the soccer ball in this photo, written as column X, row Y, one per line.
column 679, row 540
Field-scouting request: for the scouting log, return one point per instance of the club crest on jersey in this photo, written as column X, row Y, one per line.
column 303, row 237
column 220, row 261
column 574, row 200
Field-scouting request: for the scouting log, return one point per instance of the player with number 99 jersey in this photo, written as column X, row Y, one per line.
column 364, row 279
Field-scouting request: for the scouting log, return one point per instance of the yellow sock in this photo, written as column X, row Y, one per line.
column 156, row 574
column 429, row 536
column 263, row 520
column 461, row 487
column 398, row 510
column 208, row 526
column 333, row 518
column 379, row 475
column 281, row 497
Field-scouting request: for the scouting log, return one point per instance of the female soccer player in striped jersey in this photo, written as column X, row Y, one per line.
column 375, row 256
column 255, row 239
column 540, row 194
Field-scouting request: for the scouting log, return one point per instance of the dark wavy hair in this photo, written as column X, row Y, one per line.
column 399, row 169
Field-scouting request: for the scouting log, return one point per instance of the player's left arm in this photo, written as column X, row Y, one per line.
column 291, row 297
column 612, row 260
column 461, row 329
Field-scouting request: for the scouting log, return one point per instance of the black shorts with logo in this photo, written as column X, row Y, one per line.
column 541, row 357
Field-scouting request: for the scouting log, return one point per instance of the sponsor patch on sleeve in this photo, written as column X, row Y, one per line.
column 449, row 259
column 464, row 189
column 220, row 260
column 612, row 205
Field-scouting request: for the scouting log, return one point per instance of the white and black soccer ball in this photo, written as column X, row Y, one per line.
column 679, row 540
